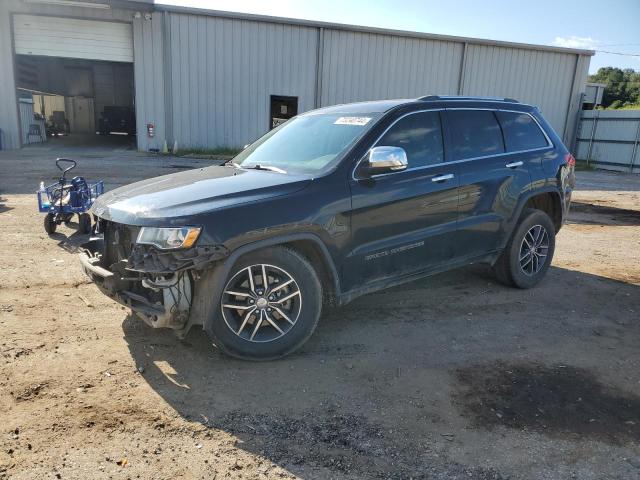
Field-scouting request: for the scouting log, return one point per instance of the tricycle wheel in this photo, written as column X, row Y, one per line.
column 85, row 222
column 49, row 224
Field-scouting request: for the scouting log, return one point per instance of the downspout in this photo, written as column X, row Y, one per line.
column 166, row 72
column 463, row 66
column 319, row 63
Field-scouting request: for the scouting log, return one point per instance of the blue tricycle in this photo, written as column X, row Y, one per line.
column 61, row 199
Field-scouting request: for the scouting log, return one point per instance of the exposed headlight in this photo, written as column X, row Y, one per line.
column 169, row 238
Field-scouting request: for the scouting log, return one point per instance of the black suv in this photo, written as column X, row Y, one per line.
column 333, row 204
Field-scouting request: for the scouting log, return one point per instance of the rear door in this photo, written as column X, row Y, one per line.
column 491, row 180
column 525, row 141
column 405, row 221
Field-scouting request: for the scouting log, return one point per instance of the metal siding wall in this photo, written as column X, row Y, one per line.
column 223, row 72
column 26, row 119
column 220, row 72
column 536, row 77
column 8, row 102
column 575, row 100
column 148, row 75
column 359, row 66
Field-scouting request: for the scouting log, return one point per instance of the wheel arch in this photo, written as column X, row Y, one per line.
column 548, row 202
column 211, row 283
column 546, row 199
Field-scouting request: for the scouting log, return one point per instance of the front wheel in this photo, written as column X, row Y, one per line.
column 49, row 224
column 269, row 307
column 529, row 253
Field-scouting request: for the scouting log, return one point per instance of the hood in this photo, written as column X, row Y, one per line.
column 175, row 198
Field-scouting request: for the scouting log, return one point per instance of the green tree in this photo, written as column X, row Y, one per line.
column 622, row 86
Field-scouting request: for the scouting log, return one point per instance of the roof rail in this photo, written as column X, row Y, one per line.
column 432, row 98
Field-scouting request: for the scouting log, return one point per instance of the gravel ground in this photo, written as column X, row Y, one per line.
column 450, row 377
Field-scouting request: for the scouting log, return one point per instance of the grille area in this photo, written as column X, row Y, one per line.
column 119, row 240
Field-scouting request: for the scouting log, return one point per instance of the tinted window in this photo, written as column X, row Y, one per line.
column 475, row 133
column 420, row 134
column 521, row 132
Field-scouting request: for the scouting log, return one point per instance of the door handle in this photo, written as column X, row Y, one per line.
column 442, row 178
column 513, row 165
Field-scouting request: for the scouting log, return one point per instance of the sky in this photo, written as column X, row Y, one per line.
column 604, row 25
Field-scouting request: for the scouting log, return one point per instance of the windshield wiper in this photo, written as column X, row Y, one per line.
column 271, row 168
column 232, row 163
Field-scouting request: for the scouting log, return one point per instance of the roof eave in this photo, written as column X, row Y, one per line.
column 364, row 29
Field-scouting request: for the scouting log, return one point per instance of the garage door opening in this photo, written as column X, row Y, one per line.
column 74, row 81
column 76, row 102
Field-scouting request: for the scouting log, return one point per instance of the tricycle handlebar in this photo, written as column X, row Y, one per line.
column 67, row 160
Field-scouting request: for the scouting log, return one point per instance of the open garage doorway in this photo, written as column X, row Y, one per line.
column 74, row 81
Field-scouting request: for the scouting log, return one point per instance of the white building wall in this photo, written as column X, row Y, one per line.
column 222, row 72
column 149, row 79
column 541, row 78
column 205, row 79
column 360, row 66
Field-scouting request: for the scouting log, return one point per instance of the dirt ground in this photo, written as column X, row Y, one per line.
column 450, row 377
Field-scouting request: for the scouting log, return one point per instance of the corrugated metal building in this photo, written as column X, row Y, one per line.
column 206, row 79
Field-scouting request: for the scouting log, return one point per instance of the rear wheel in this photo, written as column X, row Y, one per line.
column 269, row 307
column 49, row 224
column 84, row 221
column 529, row 253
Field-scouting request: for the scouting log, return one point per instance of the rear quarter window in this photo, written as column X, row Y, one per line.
column 521, row 132
column 475, row 133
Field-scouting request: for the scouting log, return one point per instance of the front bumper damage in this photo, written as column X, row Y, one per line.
column 158, row 286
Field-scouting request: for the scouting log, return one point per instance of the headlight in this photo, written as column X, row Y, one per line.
column 169, row 238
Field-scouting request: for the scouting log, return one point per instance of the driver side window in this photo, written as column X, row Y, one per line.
column 420, row 135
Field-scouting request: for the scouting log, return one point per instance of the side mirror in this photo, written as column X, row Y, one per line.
column 386, row 159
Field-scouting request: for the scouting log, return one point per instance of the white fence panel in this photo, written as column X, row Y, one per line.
column 610, row 139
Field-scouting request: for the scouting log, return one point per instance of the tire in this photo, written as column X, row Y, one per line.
column 84, row 223
column 49, row 224
column 249, row 333
column 517, row 266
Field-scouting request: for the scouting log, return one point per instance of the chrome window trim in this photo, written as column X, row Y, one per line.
column 549, row 145
column 373, row 144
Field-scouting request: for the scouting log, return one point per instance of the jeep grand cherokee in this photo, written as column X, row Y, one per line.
column 333, row 204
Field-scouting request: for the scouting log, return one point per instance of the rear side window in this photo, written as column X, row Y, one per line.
column 420, row 134
column 475, row 133
column 521, row 132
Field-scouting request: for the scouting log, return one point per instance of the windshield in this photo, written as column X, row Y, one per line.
column 306, row 144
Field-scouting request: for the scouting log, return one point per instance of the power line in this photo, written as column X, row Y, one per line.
column 619, row 53
column 619, row 45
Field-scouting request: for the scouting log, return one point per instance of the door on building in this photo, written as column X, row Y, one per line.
column 88, row 64
column 81, row 115
column 282, row 109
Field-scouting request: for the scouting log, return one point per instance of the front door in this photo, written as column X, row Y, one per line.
column 404, row 222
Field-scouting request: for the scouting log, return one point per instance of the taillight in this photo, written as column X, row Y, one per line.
column 571, row 161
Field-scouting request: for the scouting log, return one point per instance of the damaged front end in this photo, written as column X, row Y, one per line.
column 158, row 285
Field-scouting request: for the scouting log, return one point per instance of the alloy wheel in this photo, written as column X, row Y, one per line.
column 534, row 249
column 261, row 303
